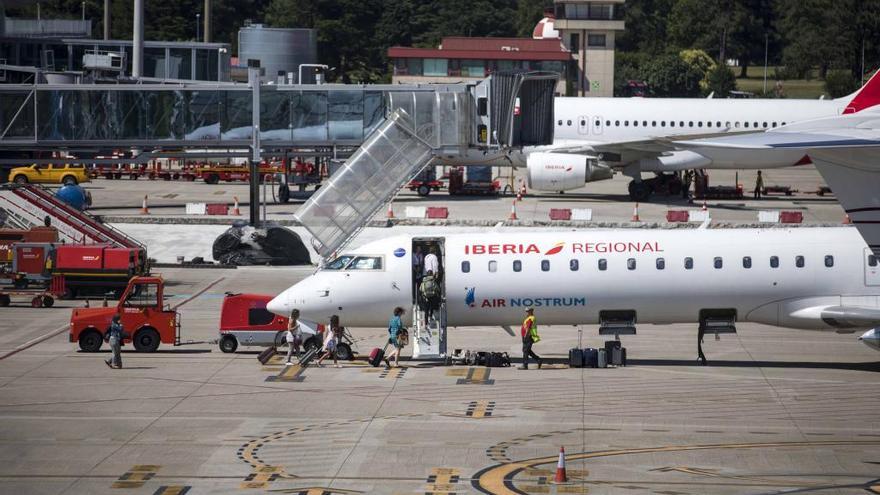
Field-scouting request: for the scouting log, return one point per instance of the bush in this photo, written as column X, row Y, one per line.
column 670, row 76
column 840, row 83
column 721, row 80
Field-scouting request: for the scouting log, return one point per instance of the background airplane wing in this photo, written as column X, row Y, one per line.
column 652, row 146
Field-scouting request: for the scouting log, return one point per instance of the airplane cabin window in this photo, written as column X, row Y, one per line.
column 493, row 266
column 727, row 124
column 783, row 123
column 700, row 124
column 718, row 124
column 517, row 265
column 691, row 123
column 545, row 265
column 872, row 260
column 465, row 266
column 709, row 123
column 681, row 123
column 829, row 260
column 635, row 123
column 583, row 122
column 718, row 262
column 631, row 264
column 756, row 125
column 568, row 122
column 799, row 261
column 747, row 261
column 598, row 123
column 339, row 263
column 653, row 123
column 573, row 265
column 607, row 123
column 671, row 123
column 559, row 123
column 603, row 264
column 626, row 123
column 366, row 263
column 662, row 123
column 774, row 124
column 765, row 124
column 746, row 125
column 661, row 263
column 616, row 123
column 644, row 123
column 736, row 125
column 774, row 262
column 688, row 263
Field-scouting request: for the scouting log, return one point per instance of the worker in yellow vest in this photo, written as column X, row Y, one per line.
column 529, row 333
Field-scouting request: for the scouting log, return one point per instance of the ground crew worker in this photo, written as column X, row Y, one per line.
column 759, row 186
column 529, row 332
column 114, row 337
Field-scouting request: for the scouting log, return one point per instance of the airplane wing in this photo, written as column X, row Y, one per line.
column 651, row 146
column 845, row 150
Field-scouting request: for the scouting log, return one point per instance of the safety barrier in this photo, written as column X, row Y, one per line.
column 195, row 208
column 791, row 217
column 582, row 214
column 217, row 209
column 438, row 212
column 677, row 216
column 560, row 214
column 416, row 211
column 698, row 215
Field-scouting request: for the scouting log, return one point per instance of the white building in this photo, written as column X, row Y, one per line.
column 588, row 28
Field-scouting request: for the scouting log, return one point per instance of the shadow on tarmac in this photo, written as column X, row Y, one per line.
column 865, row 366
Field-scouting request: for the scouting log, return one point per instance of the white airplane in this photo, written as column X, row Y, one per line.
column 805, row 278
column 594, row 137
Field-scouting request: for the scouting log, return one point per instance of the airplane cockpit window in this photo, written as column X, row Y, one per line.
column 747, row 261
column 603, row 264
column 366, row 263
column 545, row 265
column 465, row 266
column 661, row 263
column 517, row 265
column 493, row 266
column 774, row 262
column 718, row 262
column 688, row 263
column 573, row 265
column 339, row 263
column 799, row 261
column 631, row 264
column 829, row 260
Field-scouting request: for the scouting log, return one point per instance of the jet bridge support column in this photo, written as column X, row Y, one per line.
column 254, row 161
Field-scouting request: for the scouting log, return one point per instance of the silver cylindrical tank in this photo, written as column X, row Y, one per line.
column 277, row 49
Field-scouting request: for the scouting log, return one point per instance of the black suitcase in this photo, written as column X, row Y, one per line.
column 306, row 359
column 266, row 354
column 617, row 358
column 591, row 357
column 576, row 358
column 609, row 346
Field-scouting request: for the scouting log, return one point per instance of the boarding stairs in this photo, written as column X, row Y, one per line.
column 429, row 341
column 30, row 204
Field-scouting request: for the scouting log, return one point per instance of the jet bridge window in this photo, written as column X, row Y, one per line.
column 799, row 261
column 339, row 263
column 603, row 264
column 829, row 260
column 688, row 263
column 631, row 264
column 517, row 265
column 366, row 263
column 718, row 262
column 774, row 262
column 465, row 267
column 747, row 261
column 661, row 263
column 545, row 265
column 493, row 266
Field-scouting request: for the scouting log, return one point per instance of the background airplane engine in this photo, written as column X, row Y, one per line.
column 562, row 171
column 871, row 338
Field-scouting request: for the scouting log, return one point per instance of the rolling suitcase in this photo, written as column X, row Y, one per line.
column 266, row 354
column 576, row 358
column 306, row 359
column 617, row 356
column 591, row 357
column 602, row 359
column 609, row 345
column 376, row 356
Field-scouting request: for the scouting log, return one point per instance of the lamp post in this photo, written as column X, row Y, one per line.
column 198, row 27
column 766, row 42
column 84, row 11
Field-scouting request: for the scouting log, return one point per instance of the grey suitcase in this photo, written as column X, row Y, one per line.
column 603, row 359
column 618, row 356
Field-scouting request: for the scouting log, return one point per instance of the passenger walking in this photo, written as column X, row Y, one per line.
column 529, row 332
column 429, row 292
column 114, row 336
column 759, row 186
column 432, row 263
column 397, row 337
column 293, row 336
column 418, row 260
column 331, row 341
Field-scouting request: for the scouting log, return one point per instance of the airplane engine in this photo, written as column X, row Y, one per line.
column 871, row 338
column 562, row 171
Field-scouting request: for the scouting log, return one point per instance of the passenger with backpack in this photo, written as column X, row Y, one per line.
column 293, row 337
column 430, row 295
column 397, row 337
column 331, row 340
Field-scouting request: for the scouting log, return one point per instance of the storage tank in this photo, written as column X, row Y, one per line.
column 277, row 49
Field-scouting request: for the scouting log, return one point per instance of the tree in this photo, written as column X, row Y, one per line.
column 840, row 83
column 720, row 81
column 528, row 13
column 669, row 76
column 816, row 33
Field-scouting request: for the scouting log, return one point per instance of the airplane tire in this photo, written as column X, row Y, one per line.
column 639, row 191
column 424, row 190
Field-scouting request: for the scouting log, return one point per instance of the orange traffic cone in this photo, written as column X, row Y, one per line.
column 512, row 212
column 846, row 219
column 561, row 477
column 235, row 210
column 635, row 217
column 144, row 209
column 390, row 213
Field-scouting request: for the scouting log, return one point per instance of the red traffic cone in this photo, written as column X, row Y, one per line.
column 561, row 477
column 390, row 213
column 846, row 219
column 635, row 217
column 512, row 212
column 144, row 209
column 235, row 210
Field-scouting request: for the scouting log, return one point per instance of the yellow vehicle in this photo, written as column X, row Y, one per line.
column 50, row 174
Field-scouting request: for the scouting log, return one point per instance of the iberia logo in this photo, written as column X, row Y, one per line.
column 469, row 296
column 555, row 249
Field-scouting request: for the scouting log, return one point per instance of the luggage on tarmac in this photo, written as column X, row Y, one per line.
column 576, row 358
column 602, row 359
column 618, row 356
column 306, row 358
column 497, row 360
column 266, row 354
column 609, row 345
column 591, row 358
column 376, row 356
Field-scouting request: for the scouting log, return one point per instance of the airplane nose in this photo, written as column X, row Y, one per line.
column 871, row 338
column 284, row 303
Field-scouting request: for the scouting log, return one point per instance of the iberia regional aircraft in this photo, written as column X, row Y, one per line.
column 595, row 137
column 806, row 278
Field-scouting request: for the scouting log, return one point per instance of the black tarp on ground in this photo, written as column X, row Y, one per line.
column 244, row 245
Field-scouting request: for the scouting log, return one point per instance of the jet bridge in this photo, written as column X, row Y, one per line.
column 507, row 110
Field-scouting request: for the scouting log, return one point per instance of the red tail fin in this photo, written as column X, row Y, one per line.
column 866, row 97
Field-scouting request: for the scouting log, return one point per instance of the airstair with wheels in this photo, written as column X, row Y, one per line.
column 429, row 340
column 505, row 111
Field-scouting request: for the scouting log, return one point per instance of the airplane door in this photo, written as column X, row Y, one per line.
column 584, row 125
column 872, row 268
column 597, row 125
column 429, row 313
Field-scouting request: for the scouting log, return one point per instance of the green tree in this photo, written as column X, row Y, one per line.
column 670, row 76
column 646, row 26
column 816, row 33
column 528, row 13
column 840, row 83
column 720, row 81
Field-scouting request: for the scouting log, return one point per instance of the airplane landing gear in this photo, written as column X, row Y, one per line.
column 639, row 190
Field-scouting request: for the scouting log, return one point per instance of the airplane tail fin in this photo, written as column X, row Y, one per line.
column 866, row 97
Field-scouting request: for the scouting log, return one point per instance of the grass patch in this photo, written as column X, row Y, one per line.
column 794, row 88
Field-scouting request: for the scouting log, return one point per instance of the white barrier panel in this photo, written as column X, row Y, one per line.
column 416, row 212
column 768, row 216
column 195, row 208
column 698, row 215
column 582, row 214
